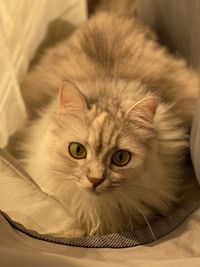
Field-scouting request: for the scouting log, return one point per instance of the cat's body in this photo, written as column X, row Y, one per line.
column 133, row 96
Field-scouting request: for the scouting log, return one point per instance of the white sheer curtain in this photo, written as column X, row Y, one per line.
column 195, row 140
column 178, row 22
column 23, row 25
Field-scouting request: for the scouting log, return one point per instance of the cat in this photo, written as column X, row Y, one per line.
column 113, row 112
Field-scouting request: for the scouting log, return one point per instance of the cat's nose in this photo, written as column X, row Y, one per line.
column 95, row 181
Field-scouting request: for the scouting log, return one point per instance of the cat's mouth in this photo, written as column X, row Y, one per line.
column 104, row 186
column 101, row 188
column 94, row 191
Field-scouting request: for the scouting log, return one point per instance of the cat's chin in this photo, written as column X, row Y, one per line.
column 93, row 191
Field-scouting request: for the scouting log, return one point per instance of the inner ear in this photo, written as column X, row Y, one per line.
column 145, row 109
column 71, row 100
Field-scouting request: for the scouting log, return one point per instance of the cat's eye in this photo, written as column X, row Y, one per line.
column 121, row 158
column 77, row 150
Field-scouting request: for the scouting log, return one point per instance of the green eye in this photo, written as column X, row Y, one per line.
column 121, row 158
column 77, row 151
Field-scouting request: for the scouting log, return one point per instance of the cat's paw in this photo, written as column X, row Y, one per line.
column 76, row 232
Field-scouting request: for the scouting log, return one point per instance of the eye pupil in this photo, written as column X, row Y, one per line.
column 78, row 149
column 120, row 156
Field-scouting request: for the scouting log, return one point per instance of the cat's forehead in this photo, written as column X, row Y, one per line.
column 104, row 129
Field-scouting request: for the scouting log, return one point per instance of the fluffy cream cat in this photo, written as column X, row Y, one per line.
column 111, row 137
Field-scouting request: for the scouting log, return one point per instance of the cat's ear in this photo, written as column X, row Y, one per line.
column 144, row 110
column 71, row 100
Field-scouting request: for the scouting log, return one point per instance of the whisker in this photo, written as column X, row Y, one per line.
column 147, row 222
column 62, row 176
column 116, row 183
column 142, row 190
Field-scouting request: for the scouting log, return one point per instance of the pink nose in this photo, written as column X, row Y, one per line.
column 95, row 181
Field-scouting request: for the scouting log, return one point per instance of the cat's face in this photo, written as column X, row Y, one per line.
column 100, row 150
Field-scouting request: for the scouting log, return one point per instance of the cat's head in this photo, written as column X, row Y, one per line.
column 99, row 148
column 108, row 156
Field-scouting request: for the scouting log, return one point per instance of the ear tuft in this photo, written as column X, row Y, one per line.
column 145, row 109
column 71, row 100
